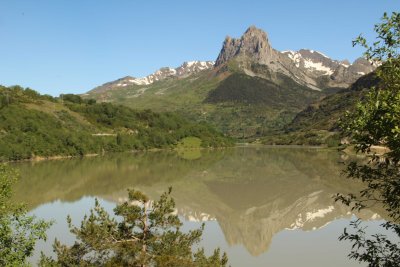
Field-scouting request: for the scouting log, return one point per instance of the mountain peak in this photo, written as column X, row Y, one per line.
column 254, row 31
column 253, row 44
column 305, row 66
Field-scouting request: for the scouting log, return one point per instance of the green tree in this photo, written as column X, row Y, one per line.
column 145, row 233
column 18, row 232
column 376, row 122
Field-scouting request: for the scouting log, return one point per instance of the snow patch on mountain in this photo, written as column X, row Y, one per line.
column 186, row 68
column 322, row 54
column 345, row 65
column 318, row 66
column 311, row 64
column 295, row 56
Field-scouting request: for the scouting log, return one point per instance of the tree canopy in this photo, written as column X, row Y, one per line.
column 145, row 233
column 33, row 125
column 18, row 232
column 375, row 123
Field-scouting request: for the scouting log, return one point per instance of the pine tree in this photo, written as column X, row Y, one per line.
column 147, row 233
column 18, row 232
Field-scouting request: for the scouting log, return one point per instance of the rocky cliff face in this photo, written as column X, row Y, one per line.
column 253, row 45
column 307, row 67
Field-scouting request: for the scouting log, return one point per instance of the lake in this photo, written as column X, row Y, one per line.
column 264, row 206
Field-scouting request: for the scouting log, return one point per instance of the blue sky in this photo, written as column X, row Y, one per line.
column 71, row 46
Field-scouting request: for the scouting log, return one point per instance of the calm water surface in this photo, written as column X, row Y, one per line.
column 264, row 206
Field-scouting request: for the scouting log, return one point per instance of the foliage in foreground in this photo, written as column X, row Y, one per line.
column 376, row 122
column 18, row 232
column 147, row 234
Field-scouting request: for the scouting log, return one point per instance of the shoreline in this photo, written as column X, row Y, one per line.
column 60, row 157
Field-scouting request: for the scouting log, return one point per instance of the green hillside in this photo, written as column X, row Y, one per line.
column 239, row 105
column 271, row 107
column 325, row 114
column 33, row 125
column 167, row 95
column 319, row 122
column 241, row 88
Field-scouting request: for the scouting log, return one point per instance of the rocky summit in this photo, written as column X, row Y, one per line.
column 253, row 45
column 307, row 67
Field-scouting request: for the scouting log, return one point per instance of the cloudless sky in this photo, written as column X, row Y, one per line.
column 71, row 46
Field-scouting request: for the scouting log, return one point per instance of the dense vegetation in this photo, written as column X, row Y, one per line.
column 18, row 232
column 241, row 88
column 33, row 125
column 375, row 122
column 148, row 234
column 326, row 114
column 319, row 123
column 251, row 107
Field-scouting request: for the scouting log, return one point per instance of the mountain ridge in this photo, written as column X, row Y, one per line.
column 185, row 69
column 307, row 67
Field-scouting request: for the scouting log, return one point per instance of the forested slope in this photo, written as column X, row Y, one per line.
column 34, row 125
column 319, row 123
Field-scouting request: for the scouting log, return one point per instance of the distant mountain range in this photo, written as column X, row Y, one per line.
column 186, row 69
column 250, row 90
column 304, row 66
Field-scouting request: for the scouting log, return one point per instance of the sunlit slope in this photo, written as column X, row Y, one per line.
column 240, row 105
column 35, row 126
column 166, row 95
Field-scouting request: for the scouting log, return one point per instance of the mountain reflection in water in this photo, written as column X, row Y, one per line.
column 252, row 192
